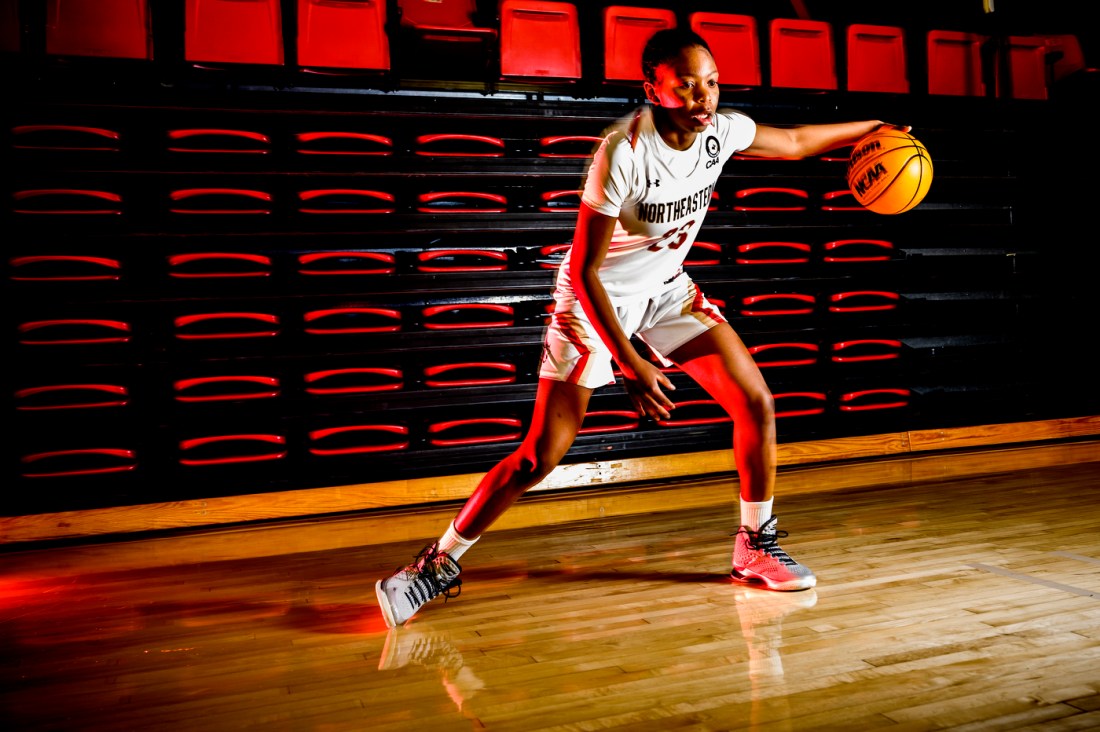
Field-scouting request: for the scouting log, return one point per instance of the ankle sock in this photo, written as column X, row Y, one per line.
column 454, row 544
column 755, row 513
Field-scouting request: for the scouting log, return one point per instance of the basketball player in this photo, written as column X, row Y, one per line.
column 646, row 194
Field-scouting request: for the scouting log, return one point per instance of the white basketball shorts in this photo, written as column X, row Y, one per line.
column 573, row 351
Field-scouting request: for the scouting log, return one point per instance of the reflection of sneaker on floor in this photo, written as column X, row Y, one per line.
column 462, row 686
column 431, row 574
column 408, row 646
column 757, row 558
column 758, row 607
column 761, row 613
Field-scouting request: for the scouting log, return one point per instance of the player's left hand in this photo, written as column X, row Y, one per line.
column 899, row 128
column 645, row 385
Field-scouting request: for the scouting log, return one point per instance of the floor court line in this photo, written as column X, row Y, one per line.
column 1078, row 557
column 1035, row 580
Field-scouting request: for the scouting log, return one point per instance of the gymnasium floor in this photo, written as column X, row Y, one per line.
column 965, row 603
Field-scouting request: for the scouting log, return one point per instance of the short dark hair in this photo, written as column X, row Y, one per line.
column 666, row 45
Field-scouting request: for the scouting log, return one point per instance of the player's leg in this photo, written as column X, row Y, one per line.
column 719, row 362
column 559, row 411
column 688, row 330
column 557, row 417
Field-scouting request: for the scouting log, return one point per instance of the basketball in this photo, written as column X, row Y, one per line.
column 889, row 171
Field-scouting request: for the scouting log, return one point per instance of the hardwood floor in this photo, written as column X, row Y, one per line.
column 968, row 602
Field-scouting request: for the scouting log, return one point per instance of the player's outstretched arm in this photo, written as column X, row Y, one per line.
column 806, row 140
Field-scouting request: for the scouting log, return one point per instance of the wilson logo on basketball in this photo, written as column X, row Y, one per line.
column 862, row 152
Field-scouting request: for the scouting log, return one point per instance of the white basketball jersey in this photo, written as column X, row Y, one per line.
column 658, row 195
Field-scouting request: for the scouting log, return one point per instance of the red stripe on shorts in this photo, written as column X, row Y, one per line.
column 700, row 306
column 565, row 325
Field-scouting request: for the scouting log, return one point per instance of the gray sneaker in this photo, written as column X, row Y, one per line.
column 758, row 558
column 432, row 573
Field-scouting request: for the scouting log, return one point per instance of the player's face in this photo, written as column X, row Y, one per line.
column 687, row 87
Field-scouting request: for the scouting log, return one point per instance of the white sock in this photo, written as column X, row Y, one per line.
column 454, row 544
column 755, row 513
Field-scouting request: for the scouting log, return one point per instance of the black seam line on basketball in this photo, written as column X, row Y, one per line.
column 1035, row 580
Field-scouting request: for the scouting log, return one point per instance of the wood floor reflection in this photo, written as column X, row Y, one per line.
column 964, row 604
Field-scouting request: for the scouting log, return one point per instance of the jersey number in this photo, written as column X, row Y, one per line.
column 672, row 239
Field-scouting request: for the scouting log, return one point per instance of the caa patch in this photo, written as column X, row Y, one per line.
column 713, row 147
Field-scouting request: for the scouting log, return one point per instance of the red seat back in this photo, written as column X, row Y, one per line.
column 1026, row 67
column 107, row 28
column 345, row 35
column 802, row 54
column 955, row 63
column 734, row 44
column 626, row 30
column 233, row 31
column 438, row 13
column 876, row 59
column 526, row 26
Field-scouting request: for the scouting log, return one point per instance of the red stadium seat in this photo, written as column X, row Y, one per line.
column 106, row 28
column 1066, row 56
column 734, row 43
column 802, row 54
column 877, row 59
column 626, row 29
column 233, row 31
column 1025, row 64
column 10, row 30
column 343, row 35
column 525, row 26
column 445, row 39
column 444, row 20
column 955, row 63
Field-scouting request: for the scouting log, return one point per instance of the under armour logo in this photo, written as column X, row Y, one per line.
column 653, row 183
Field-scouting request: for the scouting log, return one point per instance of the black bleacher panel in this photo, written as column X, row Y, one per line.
column 224, row 285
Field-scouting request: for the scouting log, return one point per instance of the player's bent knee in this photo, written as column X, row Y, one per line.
column 756, row 405
column 535, row 464
column 762, row 404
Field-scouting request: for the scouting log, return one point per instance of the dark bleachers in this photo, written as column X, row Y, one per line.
column 257, row 277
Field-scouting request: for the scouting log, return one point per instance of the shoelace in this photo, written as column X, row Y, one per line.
column 767, row 541
column 425, row 573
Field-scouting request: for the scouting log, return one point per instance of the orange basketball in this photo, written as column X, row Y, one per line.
column 889, row 171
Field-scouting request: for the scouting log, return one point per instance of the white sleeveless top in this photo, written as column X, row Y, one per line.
column 658, row 195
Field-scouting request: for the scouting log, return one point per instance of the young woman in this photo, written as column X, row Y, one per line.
column 646, row 194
